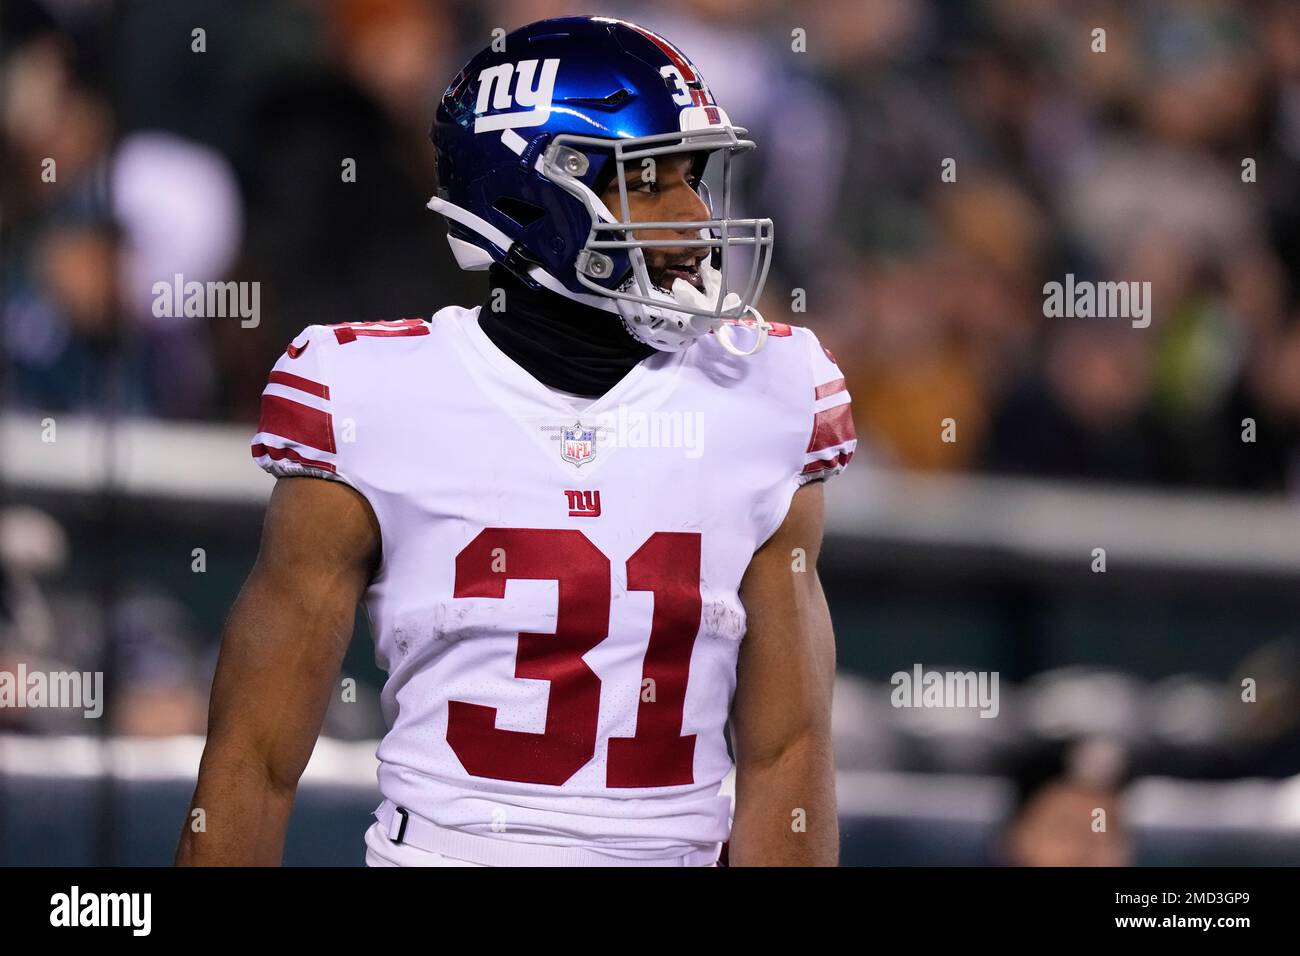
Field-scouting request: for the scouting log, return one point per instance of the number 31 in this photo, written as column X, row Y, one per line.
column 668, row 564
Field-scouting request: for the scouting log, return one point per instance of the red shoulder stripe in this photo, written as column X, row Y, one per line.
column 290, row 380
column 833, row 387
column 832, row 427
column 297, row 423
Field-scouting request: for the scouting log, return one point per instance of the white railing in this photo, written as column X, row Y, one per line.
column 1059, row 521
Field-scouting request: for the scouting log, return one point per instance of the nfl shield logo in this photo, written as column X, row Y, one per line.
column 578, row 444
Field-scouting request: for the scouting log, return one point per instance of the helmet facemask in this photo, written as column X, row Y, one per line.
column 669, row 320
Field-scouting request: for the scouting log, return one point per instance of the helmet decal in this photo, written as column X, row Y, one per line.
column 494, row 92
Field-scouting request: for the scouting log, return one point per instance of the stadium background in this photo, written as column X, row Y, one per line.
column 1120, row 689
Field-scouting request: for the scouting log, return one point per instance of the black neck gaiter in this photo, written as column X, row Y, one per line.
column 561, row 343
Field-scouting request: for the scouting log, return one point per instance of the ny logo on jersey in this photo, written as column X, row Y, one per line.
column 578, row 444
column 583, row 504
column 494, row 85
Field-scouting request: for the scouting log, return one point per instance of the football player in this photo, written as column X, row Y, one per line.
column 584, row 517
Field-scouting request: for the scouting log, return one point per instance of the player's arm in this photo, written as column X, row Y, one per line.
column 781, row 714
column 280, row 657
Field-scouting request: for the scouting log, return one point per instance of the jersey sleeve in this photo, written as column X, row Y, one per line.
column 296, row 433
column 832, row 440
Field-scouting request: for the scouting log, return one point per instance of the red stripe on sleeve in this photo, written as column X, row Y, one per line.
column 297, row 423
column 832, row 427
column 301, row 384
column 833, row 387
column 276, row 454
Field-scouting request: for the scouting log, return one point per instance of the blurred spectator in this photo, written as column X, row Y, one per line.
column 1067, row 807
column 157, row 693
column 153, row 665
column 1267, row 395
column 1266, row 727
column 1087, row 417
column 96, row 225
column 32, row 546
column 333, row 248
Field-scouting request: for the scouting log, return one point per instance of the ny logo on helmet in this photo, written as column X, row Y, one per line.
column 494, row 84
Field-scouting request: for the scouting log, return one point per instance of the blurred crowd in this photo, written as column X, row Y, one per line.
column 1164, row 150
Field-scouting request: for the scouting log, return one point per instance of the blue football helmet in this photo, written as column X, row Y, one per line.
column 532, row 129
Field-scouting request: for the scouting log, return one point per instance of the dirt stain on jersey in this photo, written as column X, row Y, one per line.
column 723, row 619
column 437, row 622
column 446, row 622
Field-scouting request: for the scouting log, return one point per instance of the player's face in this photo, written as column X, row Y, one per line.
column 664, row 192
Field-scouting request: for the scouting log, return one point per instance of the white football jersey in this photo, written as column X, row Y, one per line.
column 557, row 606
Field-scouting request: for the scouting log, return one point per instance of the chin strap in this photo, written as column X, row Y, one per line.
column 679, row 329
column 727, row 330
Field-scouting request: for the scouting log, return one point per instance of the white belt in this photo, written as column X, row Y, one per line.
column 405, row 827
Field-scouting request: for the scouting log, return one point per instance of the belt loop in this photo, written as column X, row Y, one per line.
column 401, row 828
